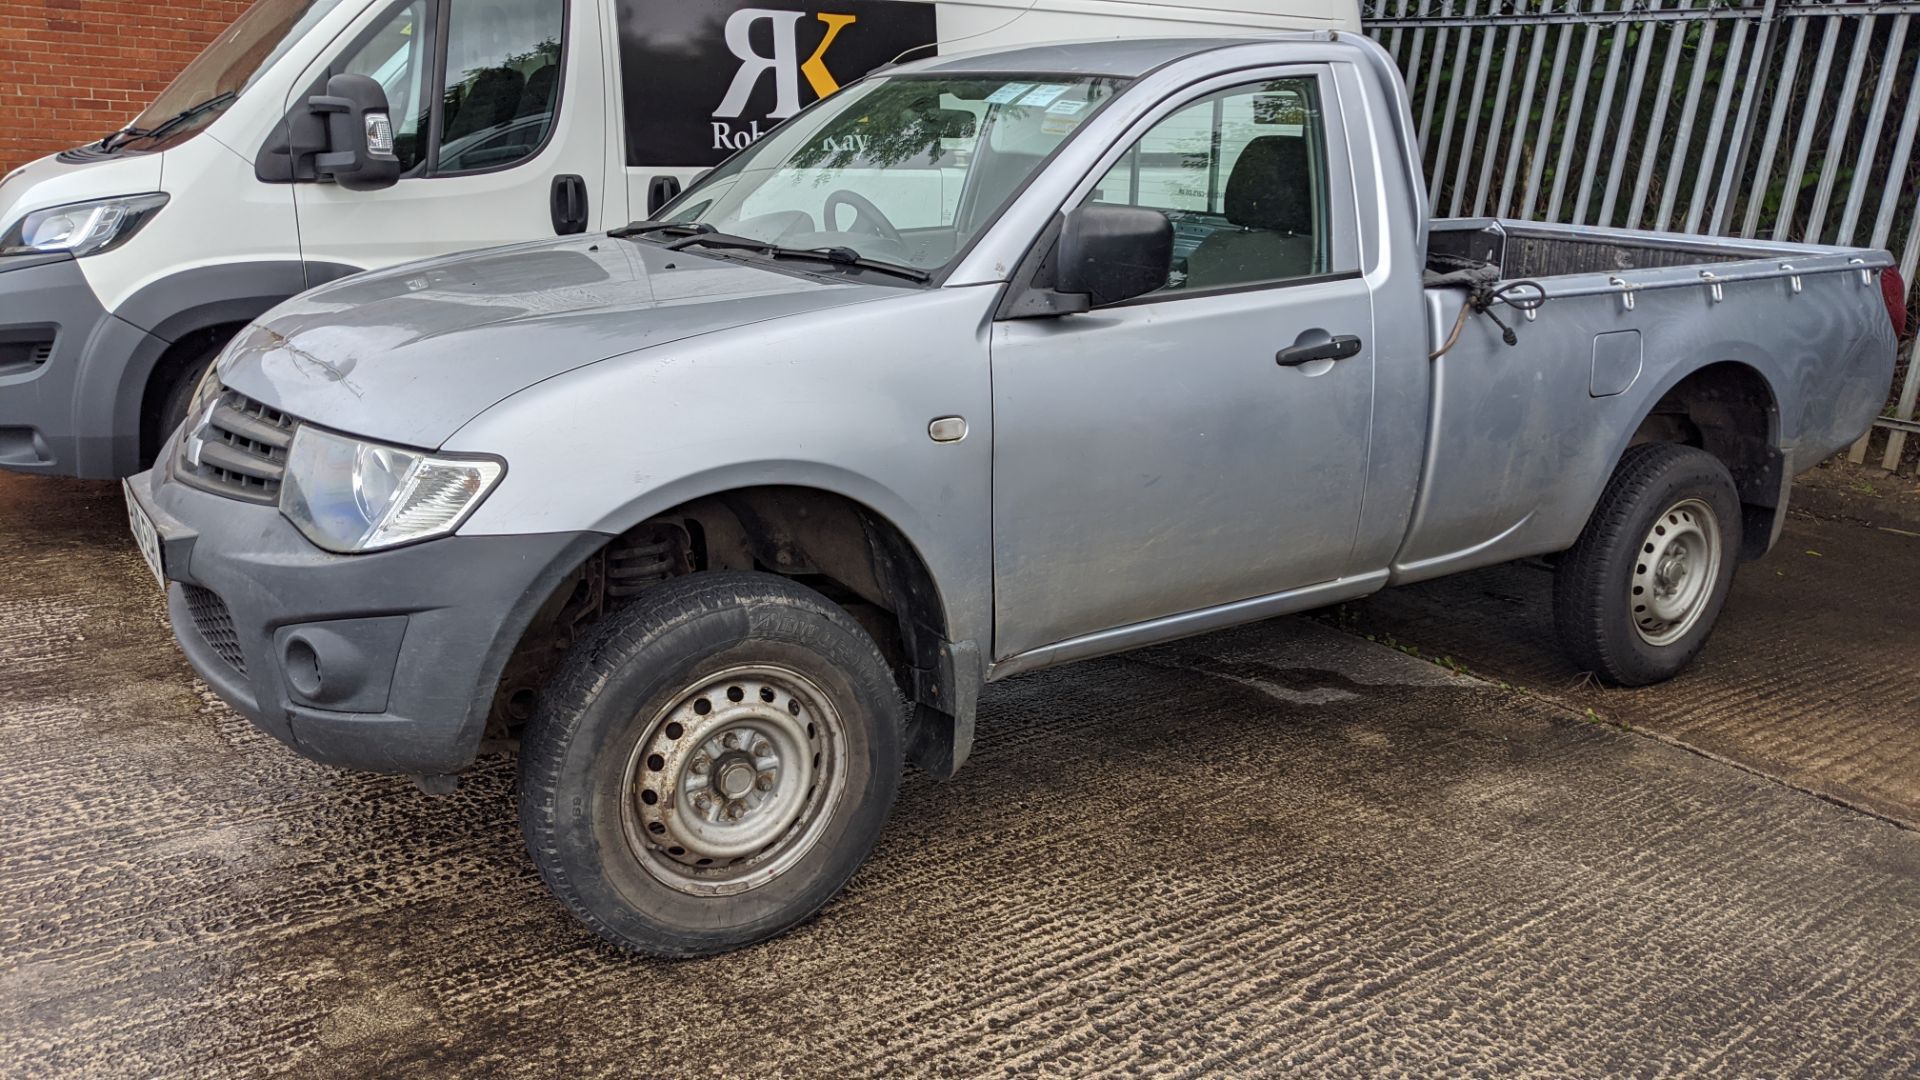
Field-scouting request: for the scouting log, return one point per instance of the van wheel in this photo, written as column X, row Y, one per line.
column 711, row 765
column 179, row 397
column 1637, row 595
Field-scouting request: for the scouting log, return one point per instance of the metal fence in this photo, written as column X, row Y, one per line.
column 1781, row 119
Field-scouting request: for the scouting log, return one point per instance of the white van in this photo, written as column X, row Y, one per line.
column 319, row 138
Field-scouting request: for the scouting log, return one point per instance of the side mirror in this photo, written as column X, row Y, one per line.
column 1113, row 253
column 359, row 154
column 661, row 190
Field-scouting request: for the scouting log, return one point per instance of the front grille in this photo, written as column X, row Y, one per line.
column 237, row 449
column 215, row 623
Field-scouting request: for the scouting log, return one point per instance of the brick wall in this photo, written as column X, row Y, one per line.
column 73, row 70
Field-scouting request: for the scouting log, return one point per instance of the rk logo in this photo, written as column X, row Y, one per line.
column 782, row 64
column 705, row 78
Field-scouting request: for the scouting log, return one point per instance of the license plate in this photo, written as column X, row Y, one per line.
column 145, row 535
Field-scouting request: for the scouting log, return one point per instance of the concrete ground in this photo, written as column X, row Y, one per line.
column 1279, row 850
column 1812, row 675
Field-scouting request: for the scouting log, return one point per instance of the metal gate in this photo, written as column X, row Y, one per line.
column 1781, row 119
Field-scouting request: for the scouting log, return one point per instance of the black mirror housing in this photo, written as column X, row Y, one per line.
column 359, row 154
column 1114, row 253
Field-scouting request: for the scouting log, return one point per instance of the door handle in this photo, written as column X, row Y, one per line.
column 1337, row 348
column 569, row 205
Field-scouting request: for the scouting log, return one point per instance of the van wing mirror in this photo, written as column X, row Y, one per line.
column 344, row 135
column 661, row 190
column 1113, row 253
column 359, row 154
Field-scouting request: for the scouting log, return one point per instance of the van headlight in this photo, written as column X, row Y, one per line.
column 86, row 228
column 349, row 496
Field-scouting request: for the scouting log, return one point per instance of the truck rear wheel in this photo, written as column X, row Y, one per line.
column 1636, row 597
column 711, row 765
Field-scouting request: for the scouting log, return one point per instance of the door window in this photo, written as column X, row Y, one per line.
column 1242, row 174
column 503, row 81
column 396, row 55
column 501, row 94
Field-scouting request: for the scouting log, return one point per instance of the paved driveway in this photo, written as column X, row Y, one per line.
column 1281, row 850
column 1812, row 675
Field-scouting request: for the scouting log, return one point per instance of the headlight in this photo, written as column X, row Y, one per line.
column 351, row 496
column 86, row 228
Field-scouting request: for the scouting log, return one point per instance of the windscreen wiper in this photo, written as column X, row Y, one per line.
column 846, row 256
column 117, row 139
column 174, row 121
column 711, row 237
column 837, row 256
column 642, row 228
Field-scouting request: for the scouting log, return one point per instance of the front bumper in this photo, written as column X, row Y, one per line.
column 386, row 662
column 62, row 357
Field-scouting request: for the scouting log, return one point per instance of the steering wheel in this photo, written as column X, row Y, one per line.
column 864, row 213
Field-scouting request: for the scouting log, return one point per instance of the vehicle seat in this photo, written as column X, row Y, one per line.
column 1269, row 204
column 491, row 101
column 539, row 95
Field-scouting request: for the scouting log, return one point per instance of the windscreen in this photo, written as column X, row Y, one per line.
column 230, row 64
column 904, row 170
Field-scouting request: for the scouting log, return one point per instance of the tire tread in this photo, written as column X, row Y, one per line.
column 581, row 677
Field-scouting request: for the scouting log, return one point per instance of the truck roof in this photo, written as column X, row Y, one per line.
column 1126, row 58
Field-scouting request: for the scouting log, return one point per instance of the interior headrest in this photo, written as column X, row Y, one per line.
column 1271, row 186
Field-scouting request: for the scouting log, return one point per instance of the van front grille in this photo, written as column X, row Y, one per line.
column 237, row 449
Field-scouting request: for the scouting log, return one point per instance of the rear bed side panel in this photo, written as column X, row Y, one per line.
column 1520, row 448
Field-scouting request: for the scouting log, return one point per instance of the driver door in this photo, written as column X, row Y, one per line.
column 496, row 109
column 1160, row 456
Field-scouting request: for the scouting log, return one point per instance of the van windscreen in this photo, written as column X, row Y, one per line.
column 225, row 68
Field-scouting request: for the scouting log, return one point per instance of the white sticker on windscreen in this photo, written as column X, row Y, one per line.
column 1043, row 95
column 1008, row 93
column 1067, row 107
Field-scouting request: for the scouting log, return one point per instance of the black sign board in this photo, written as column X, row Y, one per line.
column 704, row 78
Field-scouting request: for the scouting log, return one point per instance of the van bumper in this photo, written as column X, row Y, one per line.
column 386, row 662
column 52, row 331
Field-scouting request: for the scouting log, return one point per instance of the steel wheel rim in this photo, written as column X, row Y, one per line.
column 734, row 781
column 1675, row 571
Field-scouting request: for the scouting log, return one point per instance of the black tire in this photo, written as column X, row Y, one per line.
column 1600, row 585
column 628, row 682
column 179, row 397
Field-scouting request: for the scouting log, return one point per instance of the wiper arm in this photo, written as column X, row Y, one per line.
column 117, row 139
column 183, row 116
column 837, row 256
column 709, row 237
column 642, row 228
column 846, row 256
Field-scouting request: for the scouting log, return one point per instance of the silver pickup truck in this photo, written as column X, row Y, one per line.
column 984, row 364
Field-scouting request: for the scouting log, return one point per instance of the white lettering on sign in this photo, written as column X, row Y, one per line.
column 728, row 137
column 848, row 144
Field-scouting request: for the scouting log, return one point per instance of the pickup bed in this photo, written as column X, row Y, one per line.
column 983, row 364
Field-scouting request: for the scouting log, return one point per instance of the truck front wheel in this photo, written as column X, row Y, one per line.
column 1637, row 595
column 711, row 765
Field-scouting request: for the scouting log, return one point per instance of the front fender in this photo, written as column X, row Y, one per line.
column 836, row 400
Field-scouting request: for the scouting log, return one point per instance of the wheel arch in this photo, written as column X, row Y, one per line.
column 1732, row 410
column 816, row 532
column 181, row 316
